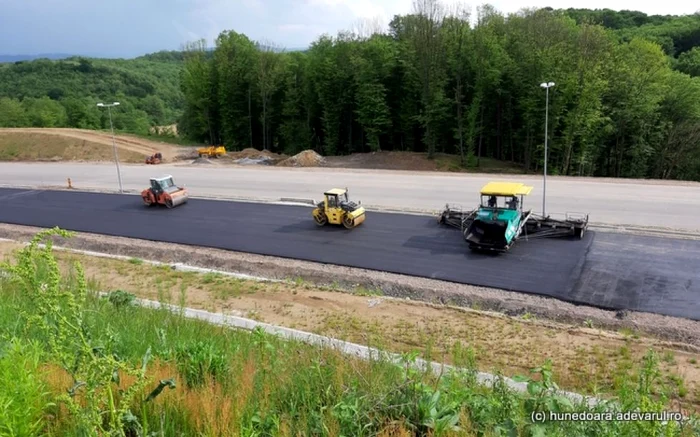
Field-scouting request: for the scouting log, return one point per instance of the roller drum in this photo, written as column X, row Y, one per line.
column 179, row 198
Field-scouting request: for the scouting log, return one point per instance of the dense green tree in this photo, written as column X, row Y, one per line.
column 44, row 112
column 12, row 113
column 433, row 83
column 689, row 62
column 298, row 106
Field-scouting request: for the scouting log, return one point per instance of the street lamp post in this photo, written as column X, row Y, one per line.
column 114, row 144
column 546, row 86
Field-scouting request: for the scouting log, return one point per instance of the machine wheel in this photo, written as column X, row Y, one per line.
column 321, row 219
column 579, row 233
column 169, row 203
column 348, row 222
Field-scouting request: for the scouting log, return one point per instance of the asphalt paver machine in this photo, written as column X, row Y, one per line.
column 500, row 219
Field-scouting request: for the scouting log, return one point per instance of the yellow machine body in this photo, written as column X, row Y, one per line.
column 211, row 151
column 336, row 209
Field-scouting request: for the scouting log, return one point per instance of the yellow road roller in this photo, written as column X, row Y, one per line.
column 336, row 208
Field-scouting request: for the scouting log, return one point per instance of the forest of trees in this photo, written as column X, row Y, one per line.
column 626, row 101
column 46, row 93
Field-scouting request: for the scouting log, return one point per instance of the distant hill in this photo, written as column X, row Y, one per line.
column 162, row 56
column 17, row 58
column 64, row 92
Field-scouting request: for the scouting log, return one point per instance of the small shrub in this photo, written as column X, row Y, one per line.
column 198, row 361
column 121, row 298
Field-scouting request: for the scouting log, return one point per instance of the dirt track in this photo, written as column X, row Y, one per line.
column 125, row 142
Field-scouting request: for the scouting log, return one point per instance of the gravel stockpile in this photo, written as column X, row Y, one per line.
column 307, row 158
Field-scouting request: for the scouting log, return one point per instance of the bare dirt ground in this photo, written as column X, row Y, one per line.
column 52, row 148
column 32, row 144
column 584, row 357
column 35, row 141
column 414, row 162
column 135, row 150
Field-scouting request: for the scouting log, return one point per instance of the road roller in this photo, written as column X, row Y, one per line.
column 163, row 191
column 336, row 208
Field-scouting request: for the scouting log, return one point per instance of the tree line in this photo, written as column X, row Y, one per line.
column 625, row 104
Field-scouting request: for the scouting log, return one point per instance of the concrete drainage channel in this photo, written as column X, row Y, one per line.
column 344, row 347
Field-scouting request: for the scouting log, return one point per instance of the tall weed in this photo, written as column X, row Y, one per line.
column 24, row 396
column 55, row 306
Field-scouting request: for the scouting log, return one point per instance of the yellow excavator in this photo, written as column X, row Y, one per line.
column 336, row 208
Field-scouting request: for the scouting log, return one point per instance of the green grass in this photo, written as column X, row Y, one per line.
column 205, row 380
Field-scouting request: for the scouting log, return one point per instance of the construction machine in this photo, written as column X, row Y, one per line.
column 211, row 151
column 500, row 219
column 163, row 191
column 156, row 158
column 337, row 208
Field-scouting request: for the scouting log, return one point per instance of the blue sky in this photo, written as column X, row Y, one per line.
column 127, row 28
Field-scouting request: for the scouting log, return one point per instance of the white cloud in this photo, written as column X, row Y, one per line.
column 34, row 26
column 358, row 8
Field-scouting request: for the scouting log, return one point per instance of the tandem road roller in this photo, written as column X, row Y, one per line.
column 337, row 208
column 163, row 191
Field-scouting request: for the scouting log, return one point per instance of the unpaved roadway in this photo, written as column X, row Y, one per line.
column 124, row 142
column 640, row 203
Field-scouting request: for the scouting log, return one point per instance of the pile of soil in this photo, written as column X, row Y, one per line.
column 307, row 158
column 250, row 155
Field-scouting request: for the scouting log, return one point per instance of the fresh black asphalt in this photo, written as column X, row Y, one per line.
column 606, row 270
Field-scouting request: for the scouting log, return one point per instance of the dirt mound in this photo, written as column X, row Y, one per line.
column 252, row 153
column 307, row 158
